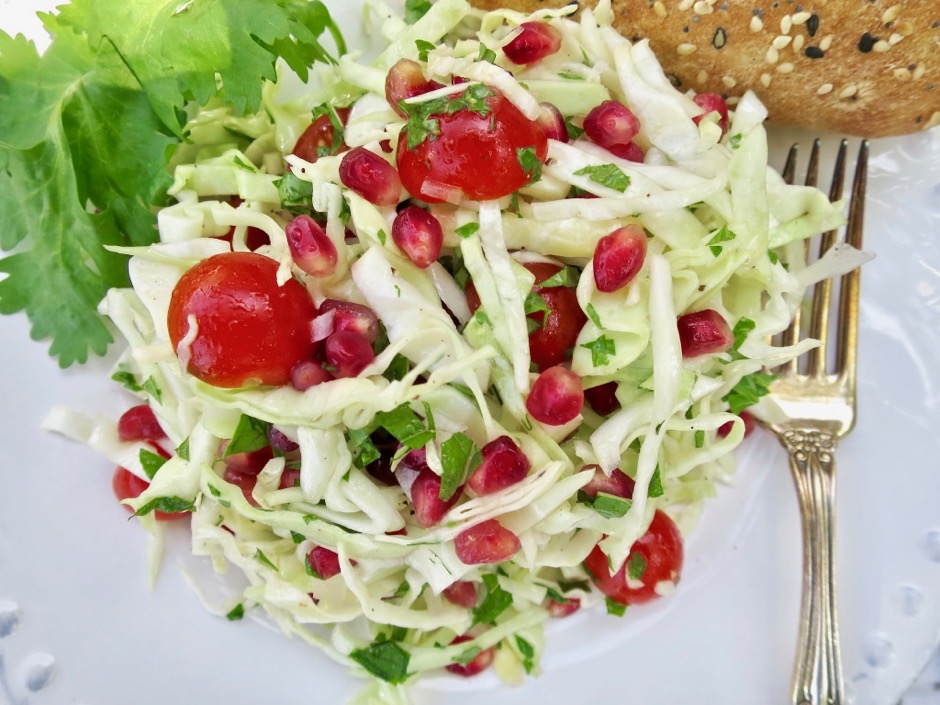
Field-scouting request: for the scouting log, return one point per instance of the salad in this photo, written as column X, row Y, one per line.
column 457, row 342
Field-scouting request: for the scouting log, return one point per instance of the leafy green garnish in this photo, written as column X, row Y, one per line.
column 295, row 193
column 150, row 386
column 250, row 435
column 150, row 462
column 656, row 484
column 406, row 426
column 601, row 350
column 748, row 391
column 236, row 613
column 528, row 653
column 723, row 235
column 264, row 560
column 611, row 506
column 609, row 175
column 740, row 332
column 364, row 451
column 574, row 132
column 128, row 380
column 494, row 604
column 467, row 229
column 486, row 54
column 636, row 566
column 593, row 315
column 699, row 439
column 615, row 608
column 459, row 457
column 422, row 117
column 168, row 505
column 183, row 450
column 567, row 276
column 535, row 302
column 416, row 9
column 385, row 660
column 530, row 163
column 467, row 656
column 424, row 47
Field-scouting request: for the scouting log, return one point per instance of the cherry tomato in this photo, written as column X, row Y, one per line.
column 661, row 548
column 250, row 330
column 552, row 342
column 317, row 139
column 474, row 154
column 127, row 485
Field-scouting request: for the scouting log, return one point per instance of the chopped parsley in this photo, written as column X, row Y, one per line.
column 601, row 350
column 636, row 566
column 150, row 462
column 748, row 391
column 656, row 484
column 567, row 277
column 615, row 608
column 423, row 47
column 423, row 121
column 723, row 235
column 527, row 651
column 167, row 505
column 494, row 604
column 609, row 175
column 236, row 613
column 530, row 163
column 459, row 457
column 385, row 660
column 593, row 315
column 467, row 230
column 250, row 435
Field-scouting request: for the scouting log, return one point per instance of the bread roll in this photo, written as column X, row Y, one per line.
column 859, row 67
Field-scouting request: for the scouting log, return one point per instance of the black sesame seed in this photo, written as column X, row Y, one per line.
column 814, row 52
column 685, row 29
column 866, row 43
column 720, row 38
column 812, row 25
column 935, row 24
column 674, row 80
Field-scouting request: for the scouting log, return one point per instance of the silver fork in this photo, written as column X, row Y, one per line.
column 819, row 408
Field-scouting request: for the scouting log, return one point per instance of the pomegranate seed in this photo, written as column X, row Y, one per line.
column 503, row 464
column 279, row 440
column 323, row 562
column 703, row 332
column 480, row 662
column 750, row 423
column 250, row 463
column 611, row 123
column 563, row 609
column 406, row 80
column 603, row 398
column 353, row 317
column 551, row 121
column 348, row 353
column 426, row 498
column 535, row 41
column 308, row 373
column 556, row 397
column 311, row 247
column 618, row 258
column 463, row 593
column 289, row 478
column 371, row 177
column 419, row 235
column 410, row 466
column 245, row 481
column 487, row 542
column 139, row 424
column 712, row 103
column 630, row 151
column 126, row 485
column 617, row 483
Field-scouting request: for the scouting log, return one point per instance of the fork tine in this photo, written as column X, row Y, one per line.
column 789, row 169
column 822, row 293
column 847, row 342
column 792, row 334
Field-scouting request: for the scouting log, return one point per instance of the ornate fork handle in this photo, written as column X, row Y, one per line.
column 817, row 678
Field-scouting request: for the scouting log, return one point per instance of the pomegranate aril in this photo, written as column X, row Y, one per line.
column 348, row 353
column 353, row 317
column 603, row 398
column 426, row 498
column 479, row 663
column 419, row 235
column 308, row 373
column 463, row 593
column 323, row 562
column 611, row 123
column 371, row 177
column 406, row 80
column 630, row 151
column 250, row 463
column 562, row 609
column 750, row 423
column 139, row 424
column 280, row 441
column 618, row 258
column 556, row 396
column 487, row 542
column 311, row 247
column 502, row 464
column 703, row 332
column 289, row 478
column 534, row 42
column 712, row 103
column 617, row 483
column 127, row 485
column 245, row 481
column 553, row 123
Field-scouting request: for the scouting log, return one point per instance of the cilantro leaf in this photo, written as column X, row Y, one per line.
column 534, row 303
column 264, row 560
column 494, row 604
column 385, row 660
column 365, row 452
column 611, row 506
column 601, row 350
column 574, row 132
column 459, row 457
column 406, row 426
column 467, row 230
column 295, row 193
column 593, row 315
column 699, row 439
column 615, row 608
column 528, row 653
column 151, row 462
column 251, row 434
column 422, row 121
column 748, row 391
column 636, row 566
column 168, row 505
column 530, row 163
column 126, row 379
column 656, row 484
column 609, row 175
column 723, row 235
column 416, row 9
column 236, row 613
column 486, row 54
column 423, row 47
column 740, row 332
column 183, row 450
column 568, row 277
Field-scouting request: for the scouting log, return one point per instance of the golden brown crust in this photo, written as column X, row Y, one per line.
column 860, row 67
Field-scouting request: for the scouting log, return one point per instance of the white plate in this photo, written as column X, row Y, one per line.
column 78, row 623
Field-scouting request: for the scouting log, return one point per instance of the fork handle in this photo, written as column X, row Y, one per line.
column 817, row 677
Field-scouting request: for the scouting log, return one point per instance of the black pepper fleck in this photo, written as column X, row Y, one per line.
column 720, row 38
column 685, row 29
column 866, row 43
column 674, row 80
column 935, row 24
column 814, row 52
column 812, row 25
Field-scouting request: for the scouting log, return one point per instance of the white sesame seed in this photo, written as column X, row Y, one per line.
column 903, row 74
column 891, row 14
column 801, row 17
column 895, row 38
column 824, row 89
column 933, row 121
column 881, row 46
column 765, row 79
column 772, row 56
column 781, row 41
column 919, row 72
column 786, row 24
column 826, row 42
column 685, row 49
column 702, row 76
column 659, row 8
column 702, row 8
column 785, row 67
column 686, row 5
column 756, row 24
column 848, row 91
column 798, row 42
column 728, row 81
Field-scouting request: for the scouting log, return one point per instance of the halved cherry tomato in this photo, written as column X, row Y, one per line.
column 249, row 329
column 127, row 485
column 317, row 139
column 662, row 551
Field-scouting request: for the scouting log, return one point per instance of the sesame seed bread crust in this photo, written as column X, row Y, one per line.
column 858, row 67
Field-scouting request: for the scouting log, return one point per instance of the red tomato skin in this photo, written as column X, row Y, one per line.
column 250, row 330
column 474, row 154
column 127, row 485
column 661, row 546
column 319, row 135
